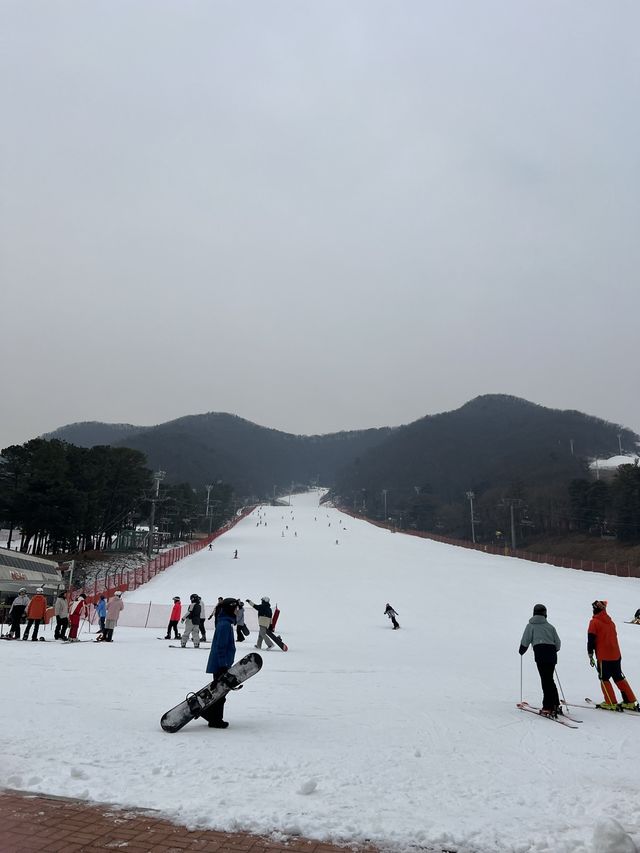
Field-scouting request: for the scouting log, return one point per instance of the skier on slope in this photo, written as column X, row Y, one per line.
column 265, row 615
column 17, row 611
column 36, row 613
column 546, row 644
column 602, row 640
column 221, row 656
column 391, row 613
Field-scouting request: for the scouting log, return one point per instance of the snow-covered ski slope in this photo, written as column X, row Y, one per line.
column 409, row 739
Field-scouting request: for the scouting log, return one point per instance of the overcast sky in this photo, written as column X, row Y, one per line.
column 317, row 215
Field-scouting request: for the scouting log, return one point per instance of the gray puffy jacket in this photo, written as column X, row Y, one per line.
column 541, row 633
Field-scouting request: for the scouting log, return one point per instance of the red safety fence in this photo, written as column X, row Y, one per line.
column 625, row 570
column 125, row 579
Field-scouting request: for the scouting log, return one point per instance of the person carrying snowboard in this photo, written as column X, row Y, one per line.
column 391, row 613
column 174, row 618
column 264, row 621
column 546, row 644
column 602, row 641
column 221, row 656
column 191, row 621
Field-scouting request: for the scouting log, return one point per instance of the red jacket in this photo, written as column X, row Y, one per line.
column 176, row 612
column 37, row 608
column 603, row 637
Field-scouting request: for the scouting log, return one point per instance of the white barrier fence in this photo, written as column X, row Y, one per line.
column 150, row 615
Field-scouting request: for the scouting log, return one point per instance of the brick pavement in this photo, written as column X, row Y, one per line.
column 44, row 824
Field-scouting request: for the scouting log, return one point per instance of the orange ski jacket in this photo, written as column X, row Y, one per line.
column 602, row 637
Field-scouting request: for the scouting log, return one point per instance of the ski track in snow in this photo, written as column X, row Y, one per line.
column 408, row 739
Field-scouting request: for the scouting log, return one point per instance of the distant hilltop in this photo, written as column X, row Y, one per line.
column 492, row 439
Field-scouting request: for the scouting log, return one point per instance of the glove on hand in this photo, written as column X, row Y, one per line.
column 591, row 660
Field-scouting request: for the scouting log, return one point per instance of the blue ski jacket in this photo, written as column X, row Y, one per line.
column 101, row 608
column 223, row 645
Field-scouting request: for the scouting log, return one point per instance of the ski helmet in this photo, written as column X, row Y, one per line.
column 265, row 598
column 539, row 610
column 39, row 589
column 176, row 598
column 194, row 599
column 22, row 589
column 118, row 593
column 599, row 606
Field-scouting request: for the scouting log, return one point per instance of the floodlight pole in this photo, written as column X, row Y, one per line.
column 471, row 496
column 158, row 476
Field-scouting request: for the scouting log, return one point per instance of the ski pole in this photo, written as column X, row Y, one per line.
column 564, row 698
column 521, row 679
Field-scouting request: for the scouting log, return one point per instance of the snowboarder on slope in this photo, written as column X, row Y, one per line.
column 191, row 621
column 223, row 651
column 390, row 612
column 602, row 640
column 264, row 620
column 174, row 618
column 546, row 644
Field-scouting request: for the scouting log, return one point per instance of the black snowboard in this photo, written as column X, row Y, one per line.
column 192, row 706
column 277, row 639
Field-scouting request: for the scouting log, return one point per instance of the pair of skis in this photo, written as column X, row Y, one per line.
column 564, row 719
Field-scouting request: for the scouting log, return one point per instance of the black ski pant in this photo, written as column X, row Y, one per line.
column 15, row 625
column 213, row 713
column 550, row 698
column 172, row 626
column 62, row 623
column 36, row 627
column 203, row 630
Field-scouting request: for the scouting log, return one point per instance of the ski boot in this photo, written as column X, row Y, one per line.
column 547, row 712
column 608, row 706
column 630, row 706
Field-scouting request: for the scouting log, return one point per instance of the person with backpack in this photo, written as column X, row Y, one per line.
column 602, row 641
column 265, row 615
column 174, row 618
column 221, row 656
column 546, row 644
column 191, row 621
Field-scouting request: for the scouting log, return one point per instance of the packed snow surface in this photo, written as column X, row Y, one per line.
column 409, row 739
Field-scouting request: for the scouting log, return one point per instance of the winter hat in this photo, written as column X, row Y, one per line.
column 229, row 606
column 194, row 599
column 265, row 598
column 176, row 598
column 39, row 589
column 598, row 606
column 118, row 593
column 539, row 610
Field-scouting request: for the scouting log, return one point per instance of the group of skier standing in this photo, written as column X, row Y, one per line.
column 68, row 615
column 603, row 651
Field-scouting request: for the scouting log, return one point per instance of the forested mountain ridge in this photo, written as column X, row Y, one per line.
column 220, row 446
column 497, row 446
column 491, row 444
